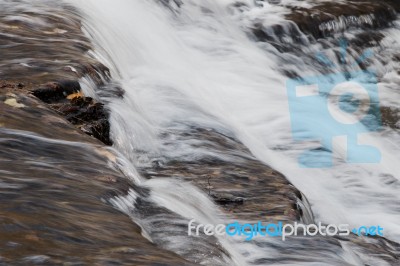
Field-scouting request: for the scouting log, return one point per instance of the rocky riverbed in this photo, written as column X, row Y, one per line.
column 59, row 177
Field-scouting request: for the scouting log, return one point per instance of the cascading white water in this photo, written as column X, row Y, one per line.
column 196, row 66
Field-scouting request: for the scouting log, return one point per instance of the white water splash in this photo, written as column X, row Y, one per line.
column 198, row 67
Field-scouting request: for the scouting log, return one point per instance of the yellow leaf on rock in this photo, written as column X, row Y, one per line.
column 75, row 95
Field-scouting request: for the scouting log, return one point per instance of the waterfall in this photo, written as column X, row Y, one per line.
column 196, row 64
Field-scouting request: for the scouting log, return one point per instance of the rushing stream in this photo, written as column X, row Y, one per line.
column 195, row 65
column 198, row 64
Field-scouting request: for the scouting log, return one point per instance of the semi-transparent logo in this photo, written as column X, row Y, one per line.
column 341, row 104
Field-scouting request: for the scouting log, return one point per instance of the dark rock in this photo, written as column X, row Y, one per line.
column 89, row 116
column 99, row 129
column 57, row 91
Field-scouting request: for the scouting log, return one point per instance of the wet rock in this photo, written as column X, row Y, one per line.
column 56, row 182
column 49, row 58
column 54, row 189
column 31, row 117
column 327, row 18
column 241, row 184
column 99, row 129
column 88, row 115
column 45, row 46
column 323, row 19
column 57, row 91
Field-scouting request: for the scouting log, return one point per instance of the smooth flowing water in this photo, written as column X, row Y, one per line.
column 195, row 64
